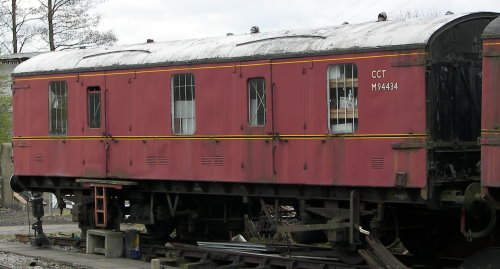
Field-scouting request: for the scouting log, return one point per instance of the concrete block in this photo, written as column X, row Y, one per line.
column 155, row 264
column 105, row 242
column 158, row 263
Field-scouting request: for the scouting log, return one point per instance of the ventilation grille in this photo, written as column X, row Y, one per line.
column 39, row 158
column 156, row 160
column 206, row 160
column 218, row 160
column 151, row 160
column 212, row 161
column 378, row 163
column 162, row 160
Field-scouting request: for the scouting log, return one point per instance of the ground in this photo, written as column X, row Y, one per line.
column 19, row 261
column 18, row 219
column 22, row 215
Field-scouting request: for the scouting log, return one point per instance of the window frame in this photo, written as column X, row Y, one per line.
column 354, row 110
column 61, row 126
column 249, row 89
column 190, row 130
column 92, row 91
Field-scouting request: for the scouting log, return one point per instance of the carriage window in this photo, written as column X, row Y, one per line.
column 94, row 106
column 257, row 102
column 183, row 105
column 58, row 108
column 343, row 98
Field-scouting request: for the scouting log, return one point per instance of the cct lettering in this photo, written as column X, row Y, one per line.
column 381, row 84
column 378, row 73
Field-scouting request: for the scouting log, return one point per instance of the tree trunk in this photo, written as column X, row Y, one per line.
column 50, row 17
column 14, row 26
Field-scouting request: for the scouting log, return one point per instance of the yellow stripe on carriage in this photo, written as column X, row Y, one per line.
column 221, row 66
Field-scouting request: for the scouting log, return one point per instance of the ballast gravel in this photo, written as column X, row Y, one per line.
column 23, row 262
column 21, row 215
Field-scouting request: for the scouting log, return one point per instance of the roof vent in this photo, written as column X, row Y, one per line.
column 382, row 16
column 150, row 41
column 229, row 34
column 254, row 30
column 344, row 23
column 449, row 13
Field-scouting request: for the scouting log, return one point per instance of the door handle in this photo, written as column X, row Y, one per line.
column 108, row 135
column 112, row 138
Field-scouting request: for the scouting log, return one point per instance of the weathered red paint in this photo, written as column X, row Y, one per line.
column 138, row 105
column 490, row 124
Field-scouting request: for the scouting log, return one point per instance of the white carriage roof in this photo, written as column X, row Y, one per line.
column 411, row 33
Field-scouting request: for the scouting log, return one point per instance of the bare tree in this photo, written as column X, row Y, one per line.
column 5, row 107
column 71, row 23
column 408, row 14
column 18, row 25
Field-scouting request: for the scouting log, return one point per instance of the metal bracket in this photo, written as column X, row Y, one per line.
column 408, row 146
column 354, row 217
column 173, row 208
column 489, row 142
column 335, row 224
column 272, row 221
column 379, row 257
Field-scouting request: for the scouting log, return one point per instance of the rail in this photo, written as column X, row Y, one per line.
column 179, row 255
column 249, row 255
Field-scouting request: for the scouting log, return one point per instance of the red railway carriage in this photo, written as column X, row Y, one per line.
column 243, row 126
column 353, row 125
column 490, row 173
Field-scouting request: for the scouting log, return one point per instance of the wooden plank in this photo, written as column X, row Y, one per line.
column 344, row 113
column 20, row 198
column 339, row 83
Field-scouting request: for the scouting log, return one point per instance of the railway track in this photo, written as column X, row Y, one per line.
column 247, row 255
column 230, row 255
column 215, row 255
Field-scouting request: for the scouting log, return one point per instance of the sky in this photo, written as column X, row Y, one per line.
column 162, row 20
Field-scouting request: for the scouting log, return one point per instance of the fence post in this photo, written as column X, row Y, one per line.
column 7, row 195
